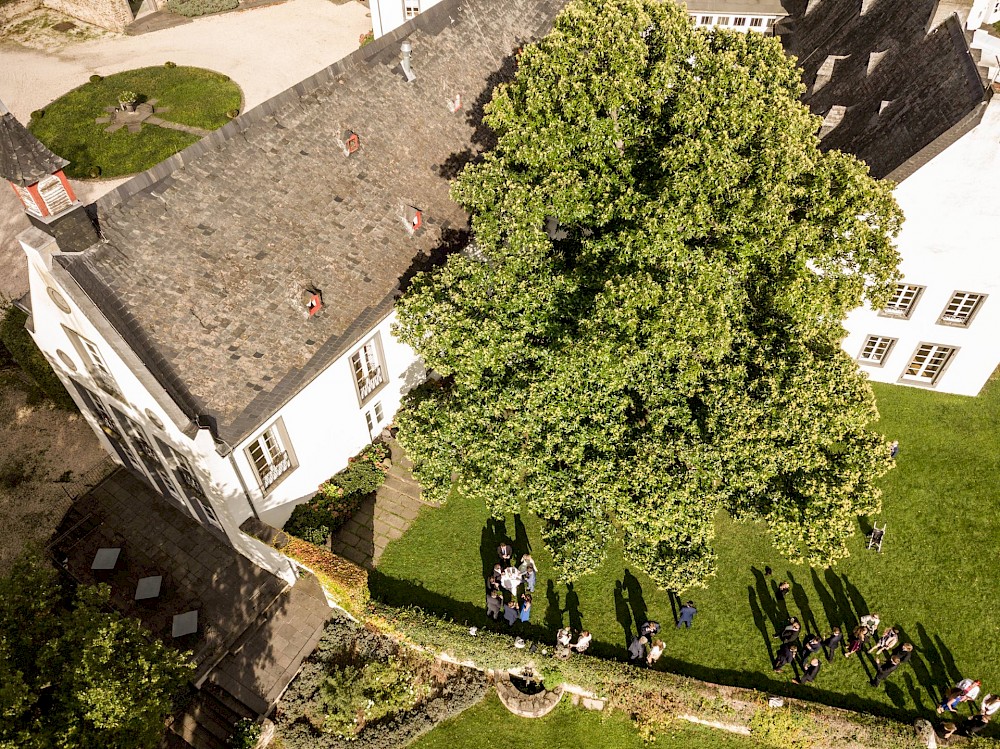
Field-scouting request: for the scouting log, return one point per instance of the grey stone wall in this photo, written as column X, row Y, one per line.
column 114, row 15
column 13, row 10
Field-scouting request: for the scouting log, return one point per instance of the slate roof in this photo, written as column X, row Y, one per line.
column 208, row 253
column 23, row 158
column 929, row 82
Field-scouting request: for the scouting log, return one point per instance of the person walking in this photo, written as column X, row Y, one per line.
column 687, row 613
column 582, row 642
column 991, row 704
column 905, row 652
column 810, row 646
column 786, row 655
column 505, row 551
column 791, row 631
column 654, row 653
column 530, row 576
column 525, row 607
column 784, row 588
column 809, row 672
column 637, row 648
column 511, row 613
column 882, row 672
column 494, row 605
column 833, row 643
column 888, row 640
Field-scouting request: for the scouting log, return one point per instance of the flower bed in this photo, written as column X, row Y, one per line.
column 339, row 497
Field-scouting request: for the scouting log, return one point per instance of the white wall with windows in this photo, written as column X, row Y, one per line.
column 940, row 329
column 734, row 21
column 330, row 420
column 135, row 420
column 389, row 14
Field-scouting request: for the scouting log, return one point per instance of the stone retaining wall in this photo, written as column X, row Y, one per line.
column 113, row 15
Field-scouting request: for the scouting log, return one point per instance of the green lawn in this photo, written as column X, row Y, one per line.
column 566, row 727
column 936, row 578
column 195, row 97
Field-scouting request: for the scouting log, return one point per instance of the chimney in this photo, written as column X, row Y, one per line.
column 36, row 175
column 312, row 300
column 406, row 48
column 412, row 218
column 349, row 142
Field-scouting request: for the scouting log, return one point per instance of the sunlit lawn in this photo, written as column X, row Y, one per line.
column 937, row 576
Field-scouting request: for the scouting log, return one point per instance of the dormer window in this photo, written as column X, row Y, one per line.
column 53, row 193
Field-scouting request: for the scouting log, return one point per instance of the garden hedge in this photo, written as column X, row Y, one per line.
column 27, row 355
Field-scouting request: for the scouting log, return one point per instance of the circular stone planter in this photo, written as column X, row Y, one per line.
column 525, row 705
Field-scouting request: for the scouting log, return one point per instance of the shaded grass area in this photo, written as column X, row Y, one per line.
column 196, row 97
column 935, row 578
column 566, row 727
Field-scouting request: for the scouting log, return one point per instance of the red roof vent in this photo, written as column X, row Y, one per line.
column 413, row 218
column 349, row 142
column 455, row 104
column 312, row 300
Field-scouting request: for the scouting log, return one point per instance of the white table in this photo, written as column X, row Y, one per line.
column 148, row 587
column 106, row 559
column 186, row 623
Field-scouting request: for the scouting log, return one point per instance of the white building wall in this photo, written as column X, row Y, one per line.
column 390, row 14
column 744, row 22
column 325, row 424
column 948, row 243
column 141, row 401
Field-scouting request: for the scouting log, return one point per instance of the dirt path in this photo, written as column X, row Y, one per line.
column 265, row 51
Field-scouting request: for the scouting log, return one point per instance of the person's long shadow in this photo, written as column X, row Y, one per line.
column 928, row 666
column 553, row 611
column 573, row 608
column 895, row 693
column 622, row 613
column 805, row 610
column 675, row 606
column 916, row 694
column 760, row 621
column 843, row 605
column 636, row 600
column 766, row 599
column 522, row 545
column 494, row 532
column 833, row 617
column 860, row 604
column 949, row 661
column 780, row 604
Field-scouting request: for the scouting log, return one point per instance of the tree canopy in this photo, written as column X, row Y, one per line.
column 73, row 674
column 647, row 330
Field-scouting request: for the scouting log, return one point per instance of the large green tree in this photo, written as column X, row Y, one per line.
column 647, row 331
column 73, row 674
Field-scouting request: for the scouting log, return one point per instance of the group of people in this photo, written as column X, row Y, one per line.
column 805, row 650
column 502, row 586
column 565, row 645
column 645, row 647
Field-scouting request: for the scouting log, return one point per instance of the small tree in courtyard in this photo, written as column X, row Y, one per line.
column 649, row 331
column 73, row 674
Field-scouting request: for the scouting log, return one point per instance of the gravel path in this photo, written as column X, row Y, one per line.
column 265, row 51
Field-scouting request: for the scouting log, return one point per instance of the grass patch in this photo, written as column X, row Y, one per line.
column 934, row 579
column 567, row 727
column 195, row 97
column 194, row 8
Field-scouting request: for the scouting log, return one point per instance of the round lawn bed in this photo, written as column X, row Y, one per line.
column 192, row 97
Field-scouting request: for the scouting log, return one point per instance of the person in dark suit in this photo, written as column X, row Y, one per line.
column 505, row 552
column 885, row 670
column 810, row 646
column 494, row 604
column 687, row 613
column 784, row 588
column 511, row 613
column 905, row 652
column 809, row 672
column 649, row 630
column 637, row 649
column 975, row 724
column 786, row 655
column 791, row 631
column 833, row 643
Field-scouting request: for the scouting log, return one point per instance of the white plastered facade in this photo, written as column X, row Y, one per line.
column 948, row 244
column 142, row 428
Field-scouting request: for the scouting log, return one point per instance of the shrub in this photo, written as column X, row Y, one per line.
column 95, row 78
column 246, row 734
column 38, row 114
column 14, row 472
column 128, row 97
column 346, row 582
column 366, row 38
column 192, row 8
column 354, row 696
column 779, row 728
column 94, row 172
column 233, row 114
column 24, row 351
column 169, row 64
column 338, row 498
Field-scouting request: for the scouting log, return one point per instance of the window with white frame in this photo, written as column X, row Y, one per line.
column 96, row 365
column 366, row 364
column 961, row 309
column 722, row 21
column 706, row 20
column 740, row 21
column 411, row 9
column 771, row 22
column 876, row 349
column 904, row 301
column 928, row 363
column 270, row 457
column 756, row 23
column 374, row 417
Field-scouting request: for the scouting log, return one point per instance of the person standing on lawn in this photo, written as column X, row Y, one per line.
column 888, row 640
column 791, row 631
column 883, row 671
column 511, row 613
column 810, row 646
column 582, row 642
column 637, row 649
column 505, row 551
column 786, row 655
column 525, row 607
column 870, row 622
column 528, row 572
column 905, row 652
column 858, row 636
column 654, row 653
column 649, row 629
column 833, row 643
column 494, row 604
column 809, row 672
column 687, row 613
column 563, row 638
column 991, row 703
column 784, row 588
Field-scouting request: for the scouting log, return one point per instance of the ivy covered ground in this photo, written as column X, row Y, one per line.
column 936, row 577
column 566, row 728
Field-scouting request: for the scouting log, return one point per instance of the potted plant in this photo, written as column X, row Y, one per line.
column 127, row 100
